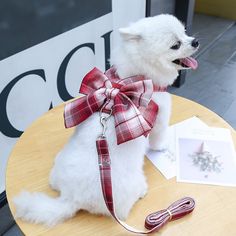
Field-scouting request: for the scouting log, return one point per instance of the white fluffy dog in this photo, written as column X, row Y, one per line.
column 156, row 47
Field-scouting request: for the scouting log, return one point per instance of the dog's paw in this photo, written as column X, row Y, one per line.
column 123, row 215
column 143, row 194
column 159, row 141
column 143, row 190
column 158, row 146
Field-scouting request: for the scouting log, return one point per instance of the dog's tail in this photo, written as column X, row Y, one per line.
column 41, row 209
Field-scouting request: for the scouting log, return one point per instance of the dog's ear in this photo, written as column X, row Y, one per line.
column 129, row 33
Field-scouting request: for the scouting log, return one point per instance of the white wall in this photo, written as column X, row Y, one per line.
column 125, row 12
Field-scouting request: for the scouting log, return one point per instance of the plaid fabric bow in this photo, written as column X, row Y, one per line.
column 128, row 99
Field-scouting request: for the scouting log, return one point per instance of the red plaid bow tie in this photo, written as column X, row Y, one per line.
column 128, row 99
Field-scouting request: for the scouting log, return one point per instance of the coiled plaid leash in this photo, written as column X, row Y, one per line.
column 153, row 221
column 129, row 101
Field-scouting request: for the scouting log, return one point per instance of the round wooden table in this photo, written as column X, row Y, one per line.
column 32, row 159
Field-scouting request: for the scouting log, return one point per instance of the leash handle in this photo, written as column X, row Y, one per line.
column 154, row 221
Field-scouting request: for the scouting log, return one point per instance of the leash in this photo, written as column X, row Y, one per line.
column 129, row 101
column 154, row 221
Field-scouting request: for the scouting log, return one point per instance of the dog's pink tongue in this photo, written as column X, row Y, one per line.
column 189, row 62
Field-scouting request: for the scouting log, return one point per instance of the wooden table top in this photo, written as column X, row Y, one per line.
column 32, row 158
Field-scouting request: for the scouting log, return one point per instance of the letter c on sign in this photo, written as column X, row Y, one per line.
column 5, row 126
column 61, row 84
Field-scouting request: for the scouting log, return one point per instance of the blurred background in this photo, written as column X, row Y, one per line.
column 47, row 46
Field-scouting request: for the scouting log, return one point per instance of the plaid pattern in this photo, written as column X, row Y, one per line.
column 105, row 172
column 129, row 99
column 155, row 221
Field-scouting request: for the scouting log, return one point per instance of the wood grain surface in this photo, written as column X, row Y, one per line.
column 32, row 158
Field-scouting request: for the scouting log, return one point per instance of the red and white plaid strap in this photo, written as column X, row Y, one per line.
column 154, row 221
column 129, row 99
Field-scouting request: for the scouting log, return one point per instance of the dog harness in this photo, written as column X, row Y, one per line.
column 129, row 101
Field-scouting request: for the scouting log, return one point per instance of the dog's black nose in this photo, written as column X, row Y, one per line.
column 195, row 43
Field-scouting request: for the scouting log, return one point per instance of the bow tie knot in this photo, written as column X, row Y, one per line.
column 129, row 99
column 110, row 94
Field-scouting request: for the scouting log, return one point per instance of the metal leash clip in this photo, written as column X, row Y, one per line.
column 104, row 118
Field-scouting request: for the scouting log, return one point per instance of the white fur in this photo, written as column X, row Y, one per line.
column 145, row 50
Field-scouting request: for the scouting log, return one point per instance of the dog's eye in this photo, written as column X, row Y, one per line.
column 176, row 46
